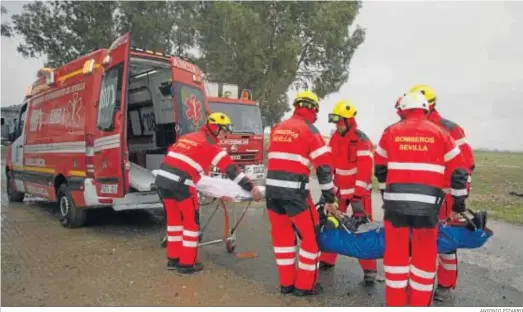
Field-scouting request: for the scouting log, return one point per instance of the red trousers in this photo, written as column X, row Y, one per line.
column 418, row 273
column 447, row 263
column 284, row 242
column 366, row 265
column 182, row 230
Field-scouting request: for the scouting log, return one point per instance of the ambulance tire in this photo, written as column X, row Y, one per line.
column 12, row 195
column 70, row 215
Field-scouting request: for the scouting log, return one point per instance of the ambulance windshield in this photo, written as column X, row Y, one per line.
column 245, row 118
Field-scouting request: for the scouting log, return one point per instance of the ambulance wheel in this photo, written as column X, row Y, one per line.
column 12, row 195
column 70, row 215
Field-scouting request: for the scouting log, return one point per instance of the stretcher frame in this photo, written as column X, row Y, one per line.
column 229, row 237
column 230, row 217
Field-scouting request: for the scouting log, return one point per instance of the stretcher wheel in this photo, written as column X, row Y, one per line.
column 230, row 245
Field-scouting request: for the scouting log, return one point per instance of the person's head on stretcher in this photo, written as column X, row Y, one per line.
column 218, row 125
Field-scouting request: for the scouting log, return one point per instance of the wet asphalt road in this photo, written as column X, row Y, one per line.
column 117, row 260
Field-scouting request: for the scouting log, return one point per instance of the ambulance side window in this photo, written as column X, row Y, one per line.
column 110, row 96
column 19, row 128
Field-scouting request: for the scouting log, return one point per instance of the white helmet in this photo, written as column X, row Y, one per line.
column 413, row 100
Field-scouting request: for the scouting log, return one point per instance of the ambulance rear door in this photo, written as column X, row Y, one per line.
column 110, row 147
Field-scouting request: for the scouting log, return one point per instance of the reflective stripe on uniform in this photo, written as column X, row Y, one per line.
column 396, row 269
column 396, row 284
column 448, row 266
column 420, row 287
column 174, row 228
column 381, row 151
column 173, row 177
column 320, row 151
column 189, row 244
column 174, row 238
column 307, row 267
column 289, row 261
column 346, row 191
column 187, row 160
column 283, row 183
column 284, row 249
column 461, row 141
column 308, row 255
column 363, row 153
column 451, row 256
column 326, row 186
column 361, row 184
column 455, row 192
column 218, row 157
column 190, row 233
column 289, row 156
column 416, row 166
column 239, row 177
column 423, row 274
column 410, row 197
column 344, row 172
column 451, row 154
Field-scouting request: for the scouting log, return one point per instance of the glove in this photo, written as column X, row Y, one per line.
column 357, row 206
column 459, row 205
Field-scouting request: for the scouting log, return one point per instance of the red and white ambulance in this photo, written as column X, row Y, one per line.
column 91, row 131
column 245, row 144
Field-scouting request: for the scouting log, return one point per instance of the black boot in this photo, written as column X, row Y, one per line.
column 369, row 277
column 317, row 290
column 172, row 264
column 189, row 269
column 442, row 293
column 324, row 266
column 286, row 289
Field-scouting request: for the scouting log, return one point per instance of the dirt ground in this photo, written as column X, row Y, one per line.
column 115, row 262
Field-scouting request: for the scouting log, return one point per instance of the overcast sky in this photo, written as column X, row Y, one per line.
column 471, row 53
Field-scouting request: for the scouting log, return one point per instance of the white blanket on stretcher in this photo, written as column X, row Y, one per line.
column 219, row 187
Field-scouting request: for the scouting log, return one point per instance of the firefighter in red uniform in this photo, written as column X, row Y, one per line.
column 295, row 144
column 448, row 263
column 352, row 154
column 186, row 162
column 412, row 159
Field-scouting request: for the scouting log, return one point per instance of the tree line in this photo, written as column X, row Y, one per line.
column 267, row 47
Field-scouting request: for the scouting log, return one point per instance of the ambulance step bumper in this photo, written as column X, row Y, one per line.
column 138, row 200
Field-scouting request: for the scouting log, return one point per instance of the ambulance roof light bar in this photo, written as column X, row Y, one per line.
column 224, row 90
column 158, row 53
column 48, row 73
column 246, row 94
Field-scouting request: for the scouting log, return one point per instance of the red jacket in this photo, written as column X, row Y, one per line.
column 294, row 144
column 352, row 154
column 457, row 133
column 412, row 158
column 192, row 156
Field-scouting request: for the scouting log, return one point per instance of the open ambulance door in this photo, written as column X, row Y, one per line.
column 110, row 147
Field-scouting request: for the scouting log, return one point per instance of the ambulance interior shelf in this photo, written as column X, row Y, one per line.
column 150, row 123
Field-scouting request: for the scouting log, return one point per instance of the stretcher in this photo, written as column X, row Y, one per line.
column 218, row 193
column 368, row 241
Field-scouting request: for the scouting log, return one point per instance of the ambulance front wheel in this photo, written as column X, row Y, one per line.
column 70, row 215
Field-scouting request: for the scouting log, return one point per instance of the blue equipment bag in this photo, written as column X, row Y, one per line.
column 369, row 241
